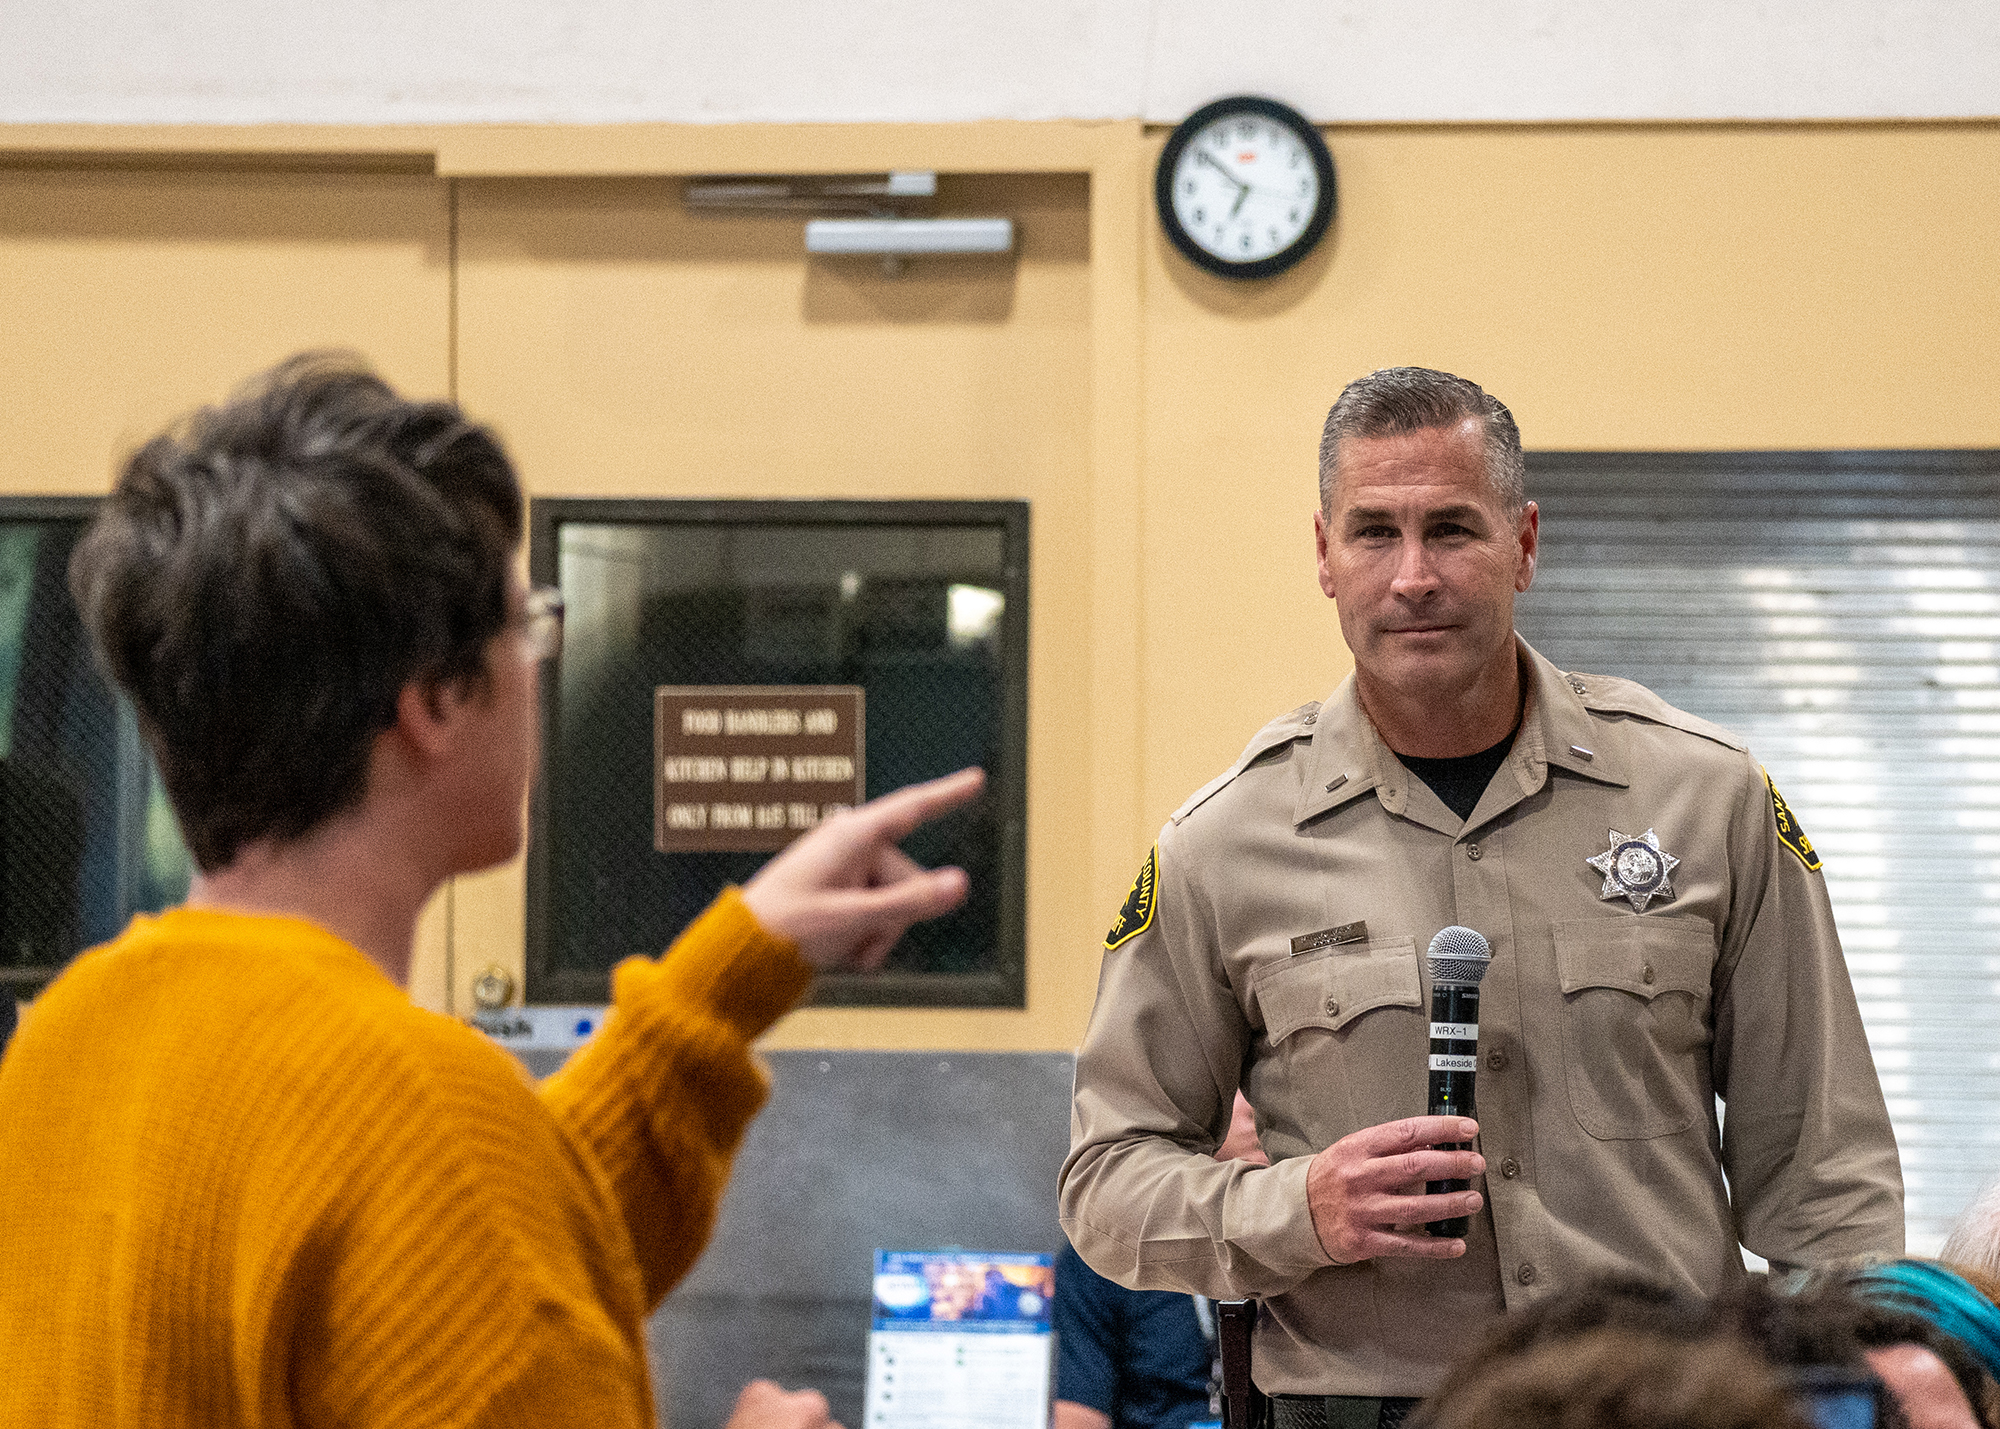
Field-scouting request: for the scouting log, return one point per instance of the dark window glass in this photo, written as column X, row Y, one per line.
column 921, row 604
column 86, row 836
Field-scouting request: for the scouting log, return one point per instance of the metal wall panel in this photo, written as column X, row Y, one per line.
column 1840, row 611
column 857, row 1151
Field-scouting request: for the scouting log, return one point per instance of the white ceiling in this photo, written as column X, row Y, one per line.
column 587, row 61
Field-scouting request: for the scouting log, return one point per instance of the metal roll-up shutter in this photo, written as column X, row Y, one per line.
column 1840, row 611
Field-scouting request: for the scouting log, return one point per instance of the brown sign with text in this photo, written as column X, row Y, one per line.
column 748, row 768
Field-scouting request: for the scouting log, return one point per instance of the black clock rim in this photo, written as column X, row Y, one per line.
column 1316, row 227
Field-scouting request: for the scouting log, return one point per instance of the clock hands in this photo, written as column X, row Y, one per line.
column 1244, row 188
column 1203, row 156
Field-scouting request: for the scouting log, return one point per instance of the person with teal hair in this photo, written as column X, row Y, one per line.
column 1922, row 1322
column 1938, row 1294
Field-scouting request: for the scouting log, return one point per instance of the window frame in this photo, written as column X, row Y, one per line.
column 26, row 983
column 1005, row 986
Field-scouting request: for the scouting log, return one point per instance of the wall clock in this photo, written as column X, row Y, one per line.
column 1245, row 187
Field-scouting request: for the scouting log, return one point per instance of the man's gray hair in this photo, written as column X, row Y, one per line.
column 1394, row 400
column 1974, row 1241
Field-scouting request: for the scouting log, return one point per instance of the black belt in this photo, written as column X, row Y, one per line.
column 1338, row 1411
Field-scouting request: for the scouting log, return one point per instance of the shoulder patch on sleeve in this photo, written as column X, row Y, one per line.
column 1136, row 916
column 1789, row 833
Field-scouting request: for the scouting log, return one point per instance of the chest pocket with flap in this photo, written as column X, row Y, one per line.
column 1331, row 989
column 1347, row 1030
column 1635, row 1022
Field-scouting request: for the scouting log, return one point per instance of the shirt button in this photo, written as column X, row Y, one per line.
column 1472, row 852
column 1526, row 1274
column 1647, row 975
column 1332, row 1007
column 1510, row 1168
column 1496, row 1060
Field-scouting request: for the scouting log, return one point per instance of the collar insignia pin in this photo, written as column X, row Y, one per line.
column 1636, row 869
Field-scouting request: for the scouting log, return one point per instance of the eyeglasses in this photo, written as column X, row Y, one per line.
column 542, row 623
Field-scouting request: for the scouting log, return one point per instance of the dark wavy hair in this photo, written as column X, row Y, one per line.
column 269, row 575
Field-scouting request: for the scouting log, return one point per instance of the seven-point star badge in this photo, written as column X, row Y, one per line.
column 1635, row 869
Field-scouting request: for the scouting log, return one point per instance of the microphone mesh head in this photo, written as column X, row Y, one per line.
column 1459, row 955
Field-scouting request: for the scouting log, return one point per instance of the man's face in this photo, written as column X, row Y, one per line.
column 1423, row 559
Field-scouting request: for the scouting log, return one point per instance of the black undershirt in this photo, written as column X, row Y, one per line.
column 1460, row 780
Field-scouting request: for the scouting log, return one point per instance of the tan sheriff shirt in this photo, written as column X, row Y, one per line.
column 1605, row 1034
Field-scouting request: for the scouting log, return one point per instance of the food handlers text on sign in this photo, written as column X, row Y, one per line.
column 748, row 768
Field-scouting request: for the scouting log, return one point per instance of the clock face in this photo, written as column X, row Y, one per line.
column 1245, row 187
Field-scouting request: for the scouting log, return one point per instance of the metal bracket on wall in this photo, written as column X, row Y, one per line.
column 862, row 215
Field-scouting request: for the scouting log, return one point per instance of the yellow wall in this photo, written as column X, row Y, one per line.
column 129, row 296
column 1619, row 287
column 1634, row 286
column 132, row 293
column 626, row 346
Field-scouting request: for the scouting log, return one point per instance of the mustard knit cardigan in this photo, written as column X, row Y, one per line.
column 243, row 1181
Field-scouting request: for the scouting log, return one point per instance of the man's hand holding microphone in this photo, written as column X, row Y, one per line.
column 1403, row 1188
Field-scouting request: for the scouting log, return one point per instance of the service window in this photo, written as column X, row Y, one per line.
column 732, row 672
column 86, row 836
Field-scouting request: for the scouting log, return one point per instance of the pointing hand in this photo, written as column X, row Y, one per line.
column 845, row 893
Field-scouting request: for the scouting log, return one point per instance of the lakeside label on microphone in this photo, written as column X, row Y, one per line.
column 1453, row 1062
column 1455, row 1031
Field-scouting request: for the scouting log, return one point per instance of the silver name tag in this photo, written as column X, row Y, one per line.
column 1331, row 938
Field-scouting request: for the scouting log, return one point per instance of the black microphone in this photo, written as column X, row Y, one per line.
column 1458, row 959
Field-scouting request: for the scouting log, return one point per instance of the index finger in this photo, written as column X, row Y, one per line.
column 1393, row 1138
column 901, row 812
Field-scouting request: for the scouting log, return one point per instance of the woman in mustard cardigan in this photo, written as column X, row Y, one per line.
column 247, row 1181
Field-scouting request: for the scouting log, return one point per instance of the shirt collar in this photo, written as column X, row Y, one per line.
column 1347, row 758
column 1558, row 730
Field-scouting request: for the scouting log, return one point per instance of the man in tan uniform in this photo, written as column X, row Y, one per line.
column 1661, row 937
